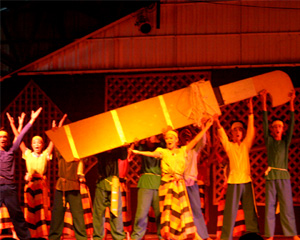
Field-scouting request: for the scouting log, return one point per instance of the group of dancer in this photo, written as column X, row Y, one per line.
column 168, row 183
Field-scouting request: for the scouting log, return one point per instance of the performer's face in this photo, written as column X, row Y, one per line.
column 37, row 145
column 237, row 134
column 171, row 141
column 3, row 140
column 277, row 130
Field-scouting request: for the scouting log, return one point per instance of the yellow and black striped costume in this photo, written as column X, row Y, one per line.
column 125, row 209
column 176, row 214
column 88, row 214
column 5, row 221
column 176, row 218
column 37, row 205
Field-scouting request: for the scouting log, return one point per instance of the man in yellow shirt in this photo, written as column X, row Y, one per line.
column 239, row 179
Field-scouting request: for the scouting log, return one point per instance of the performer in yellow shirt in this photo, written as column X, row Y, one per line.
column 176, row 215
column 36, row 192
column 239, row 179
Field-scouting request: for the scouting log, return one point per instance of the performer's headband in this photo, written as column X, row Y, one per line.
column 3, row 133
column 237, row 125
column 277, row 122
column 172, row 132
column 37, row 138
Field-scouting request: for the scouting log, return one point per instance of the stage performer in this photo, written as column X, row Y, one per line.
column 176, row 215
column 239, row 180
column 36, row 192
column 148, row 185
column 190, row 177
column 108, row 194
column 123, row 166
column 86, row 203
column 68, row 191
column 277, row 176
column 8, row 188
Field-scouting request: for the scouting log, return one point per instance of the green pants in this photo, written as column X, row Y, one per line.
column 58, row 213
column 101, row 201
column 236, row 193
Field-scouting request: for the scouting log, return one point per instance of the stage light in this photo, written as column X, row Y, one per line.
column 145, row 28
column 143, row 23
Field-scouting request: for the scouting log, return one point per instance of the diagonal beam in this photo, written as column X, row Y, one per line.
column 150, row 117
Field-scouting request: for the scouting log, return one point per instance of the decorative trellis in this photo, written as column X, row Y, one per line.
column 122, row 90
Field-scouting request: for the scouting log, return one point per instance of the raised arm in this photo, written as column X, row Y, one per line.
column 20, row 127
column 130, row 153
column 217, row 121
column 18, row 141
column 221, row 133
column 292, row 95
column 250, row 134
column 21, row 121
column 289, row 133
column 147, row 153
column 263, row 96
column 197, row 138
column 250, row 105
column 12, row 125
column 34, row 115
column 61, row 122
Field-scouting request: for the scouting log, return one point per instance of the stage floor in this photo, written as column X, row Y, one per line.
column 150, row 236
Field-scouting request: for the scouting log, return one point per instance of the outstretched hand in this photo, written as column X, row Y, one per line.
column 263, row 93
column 21, row 118
column 35, row 114
column 292, row 95
column 10, row 118
column 129, row 152
column 61, row 122
column 134, row 151
column 12, row 124
column 209, row 122
column 263, row 96
column 250, row 105
column 216, row 120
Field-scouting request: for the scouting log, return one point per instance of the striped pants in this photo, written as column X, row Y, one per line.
column 176, row 215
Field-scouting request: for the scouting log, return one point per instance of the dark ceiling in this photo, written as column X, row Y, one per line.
column 33, row 29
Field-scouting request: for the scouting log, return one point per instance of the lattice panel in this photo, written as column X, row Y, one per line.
column 122, row 90
column 258, row 154
column 134, row 171
column 31, row 98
